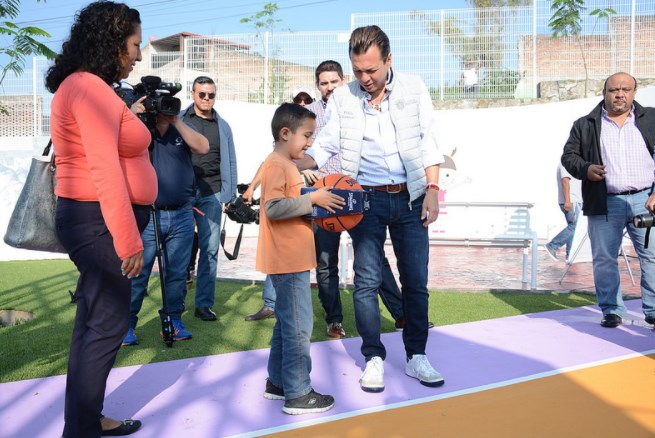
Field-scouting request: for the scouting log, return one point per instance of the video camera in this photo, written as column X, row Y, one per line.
column 644, row 221
column 239, row 211
column 159, row 98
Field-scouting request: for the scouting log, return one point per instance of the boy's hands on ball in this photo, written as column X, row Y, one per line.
column 329, row 201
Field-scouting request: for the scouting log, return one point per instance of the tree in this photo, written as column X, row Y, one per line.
column 24, row 40
column 566, row 21
column 484, row 46
column 266, row 21
column 489, row 26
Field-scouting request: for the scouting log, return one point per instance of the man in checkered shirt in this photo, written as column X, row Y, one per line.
column 611, row 151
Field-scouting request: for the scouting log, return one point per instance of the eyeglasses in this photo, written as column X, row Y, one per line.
column 202, row 95
column 305, row 100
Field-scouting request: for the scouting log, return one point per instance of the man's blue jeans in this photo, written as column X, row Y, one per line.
column 209, row 239
column 327, row 278
column 269, row 293
column 289, row 362
column 606, row 234
column 176, row 235
column 410, row 245
column 565, row 237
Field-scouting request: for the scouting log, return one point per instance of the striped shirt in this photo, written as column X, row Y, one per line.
column 333, row 165
column 628, row 164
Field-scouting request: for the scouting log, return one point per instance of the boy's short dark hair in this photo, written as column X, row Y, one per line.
column 289, row 115
column 328, row 66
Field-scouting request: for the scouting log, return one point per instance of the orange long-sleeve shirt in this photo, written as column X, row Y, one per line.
column 101, row 152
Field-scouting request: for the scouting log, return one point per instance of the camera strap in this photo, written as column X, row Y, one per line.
column 647, row 237
column 237, row 244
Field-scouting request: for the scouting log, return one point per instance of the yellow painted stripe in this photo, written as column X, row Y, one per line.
column 616, row 399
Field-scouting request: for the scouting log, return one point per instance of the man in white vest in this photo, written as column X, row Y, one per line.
column 383, row 124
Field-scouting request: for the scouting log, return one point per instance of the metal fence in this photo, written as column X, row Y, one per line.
column 512, row 50
column 26, row 102
column 488, row 53
column 265, row 67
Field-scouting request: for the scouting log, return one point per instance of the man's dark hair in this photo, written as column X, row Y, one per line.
column 97, row 39
column 619, row 73
column 202, row 80
column 328, row 66
column 289, row 115
column 363, row 38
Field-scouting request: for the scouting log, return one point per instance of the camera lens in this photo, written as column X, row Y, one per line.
column 169, row 106
column 643, row 220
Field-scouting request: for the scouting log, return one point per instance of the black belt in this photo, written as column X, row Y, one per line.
column 629, row 192
column 169, row 207
column 389, row 188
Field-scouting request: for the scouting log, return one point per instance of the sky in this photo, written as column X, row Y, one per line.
column 219, row 17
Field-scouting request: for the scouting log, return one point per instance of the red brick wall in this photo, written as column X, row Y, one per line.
column 561, row 58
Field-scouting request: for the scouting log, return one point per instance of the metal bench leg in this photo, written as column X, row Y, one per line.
column 343, row 247
column 524, row 275
column 535, row 257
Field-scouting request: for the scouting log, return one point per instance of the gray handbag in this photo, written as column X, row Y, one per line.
column 32, row 223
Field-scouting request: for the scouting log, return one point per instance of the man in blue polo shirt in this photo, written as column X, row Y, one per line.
column 170, row 153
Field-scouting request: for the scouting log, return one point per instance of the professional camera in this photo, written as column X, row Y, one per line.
column 644, row 221
column 239, row 211
column 159, row 98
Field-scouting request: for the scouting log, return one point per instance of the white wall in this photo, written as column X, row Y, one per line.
column 502, row 154
column 511, row 154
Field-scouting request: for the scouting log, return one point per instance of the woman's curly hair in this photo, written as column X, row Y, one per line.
column 97, row 40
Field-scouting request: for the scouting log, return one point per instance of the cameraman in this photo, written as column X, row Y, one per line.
column 170, row 152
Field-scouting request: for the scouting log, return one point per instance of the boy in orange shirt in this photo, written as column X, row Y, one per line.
column 286, row 251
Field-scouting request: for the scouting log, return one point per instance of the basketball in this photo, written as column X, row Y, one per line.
column 345, row 222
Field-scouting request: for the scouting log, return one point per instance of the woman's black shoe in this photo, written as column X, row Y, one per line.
column 127, row 427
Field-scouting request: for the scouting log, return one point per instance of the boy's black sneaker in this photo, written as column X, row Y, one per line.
column 311, row 403
column 273, row 392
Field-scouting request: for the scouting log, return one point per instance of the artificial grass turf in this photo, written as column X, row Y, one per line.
column 39, row 348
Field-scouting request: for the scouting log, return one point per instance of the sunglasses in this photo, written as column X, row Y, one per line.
column 305, row 100
column 202, row 95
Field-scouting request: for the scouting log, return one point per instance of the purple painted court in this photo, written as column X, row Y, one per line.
column 222, row 395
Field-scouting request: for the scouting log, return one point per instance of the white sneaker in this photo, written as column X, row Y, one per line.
column 419, row 367
column 372, row 379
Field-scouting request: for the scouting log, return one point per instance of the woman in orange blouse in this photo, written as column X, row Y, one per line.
column 105, row 183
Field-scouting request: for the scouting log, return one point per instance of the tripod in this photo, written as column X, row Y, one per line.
column 579, row 248
column 167, row 328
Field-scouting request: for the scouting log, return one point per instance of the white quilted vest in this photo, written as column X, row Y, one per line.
column 404, row 107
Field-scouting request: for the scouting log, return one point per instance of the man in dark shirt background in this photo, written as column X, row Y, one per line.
column 216, row 184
